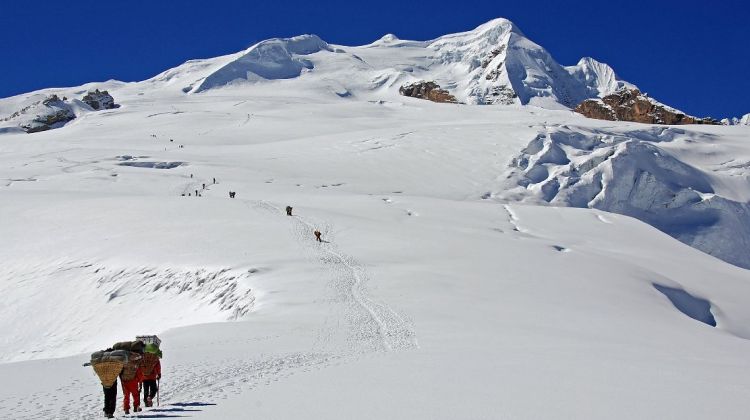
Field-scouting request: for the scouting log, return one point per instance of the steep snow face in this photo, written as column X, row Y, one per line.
column 628, row 173
column 496, row 64
column 273, row 59
column 599, row 78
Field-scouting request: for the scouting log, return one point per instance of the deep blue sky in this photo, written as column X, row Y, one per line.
column 684, row 53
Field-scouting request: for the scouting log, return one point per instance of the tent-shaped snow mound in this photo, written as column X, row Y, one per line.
column 279, row 58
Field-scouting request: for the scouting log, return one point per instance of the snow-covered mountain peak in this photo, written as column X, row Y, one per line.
column 494, row 63
column 387, row 39
column 493, row 32
column 743, row 120
column 599, row 78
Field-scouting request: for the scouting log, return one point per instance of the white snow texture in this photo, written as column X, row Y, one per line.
column 513, row 261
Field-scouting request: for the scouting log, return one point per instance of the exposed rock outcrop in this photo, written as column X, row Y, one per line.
column 99, row 100
column 427, row 90
column 52, row 112
column 631, row 105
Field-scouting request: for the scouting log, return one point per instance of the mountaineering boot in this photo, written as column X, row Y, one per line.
column 127, row 411
column 137, row 409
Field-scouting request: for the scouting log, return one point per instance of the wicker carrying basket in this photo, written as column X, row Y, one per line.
column 148, row 363
column 108, row 372
column 128, row 371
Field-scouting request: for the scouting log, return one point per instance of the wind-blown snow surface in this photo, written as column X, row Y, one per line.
column 447, row 286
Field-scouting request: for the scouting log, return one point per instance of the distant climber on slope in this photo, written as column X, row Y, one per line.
column 288, row 210
column 317, row 235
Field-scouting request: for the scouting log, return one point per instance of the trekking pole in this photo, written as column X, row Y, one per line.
column 158, row 388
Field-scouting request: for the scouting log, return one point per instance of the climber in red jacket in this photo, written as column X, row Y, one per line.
column 152, row 371
column 130, row 387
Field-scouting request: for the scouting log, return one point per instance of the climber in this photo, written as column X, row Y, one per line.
column 108, row 364
column 317, row 235
column 131, row 378
column 288, row 210
column 110, row 400
column 151, row 367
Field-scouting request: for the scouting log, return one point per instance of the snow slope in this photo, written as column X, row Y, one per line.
column 451, row 284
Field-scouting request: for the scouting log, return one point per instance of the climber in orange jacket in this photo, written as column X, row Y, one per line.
column 130, row 387
column 152, row 371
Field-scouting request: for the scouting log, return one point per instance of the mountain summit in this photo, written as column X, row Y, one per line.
column 494, row 63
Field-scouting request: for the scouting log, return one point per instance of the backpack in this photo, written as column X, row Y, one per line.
column 132, row 346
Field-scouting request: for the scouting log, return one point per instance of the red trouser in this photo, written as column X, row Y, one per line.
column 130, row 388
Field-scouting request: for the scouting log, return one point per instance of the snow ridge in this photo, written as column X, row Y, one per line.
column 628, row 173
column 217, row 295
column 279, row 58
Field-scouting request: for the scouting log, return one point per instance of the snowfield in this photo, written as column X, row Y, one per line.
column 479, row 262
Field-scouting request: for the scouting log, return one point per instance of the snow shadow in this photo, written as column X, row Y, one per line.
column 192, row 404
column 179, row 409
column 152, row 165
column 697, row 308
column 172, row 410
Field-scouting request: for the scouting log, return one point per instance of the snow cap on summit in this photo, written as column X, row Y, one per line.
column 387, row 38
column 498, row 24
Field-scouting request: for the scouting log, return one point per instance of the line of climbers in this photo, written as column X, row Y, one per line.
column 203, row 185
column 316, row 232
column 137, row 365
column 233, row 194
